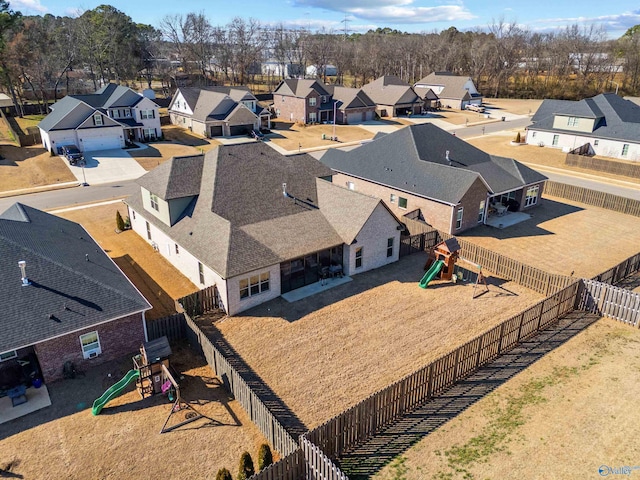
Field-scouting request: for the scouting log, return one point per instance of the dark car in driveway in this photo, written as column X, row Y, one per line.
column 72, row 154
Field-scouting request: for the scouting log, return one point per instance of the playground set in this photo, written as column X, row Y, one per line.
column 442, row 264
column 152, row 376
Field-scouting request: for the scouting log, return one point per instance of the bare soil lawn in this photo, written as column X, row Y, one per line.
column 499, row 144
column 565, row 416
column 28, row 121
column 157, row 279
column 179, row 135
column 159, row 152
column 291, row 136
column 324, row 353
column 30, row 167
column 562, row 237
column 66, row 441
column 513, row 105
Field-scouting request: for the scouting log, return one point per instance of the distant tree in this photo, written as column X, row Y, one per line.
column 224, row 474
column 265, row 458
column 246, row 468
column 10, row 23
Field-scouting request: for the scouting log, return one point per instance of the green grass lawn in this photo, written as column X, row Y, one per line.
column 29, row 121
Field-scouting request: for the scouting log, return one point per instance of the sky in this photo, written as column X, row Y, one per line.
column 361, row 15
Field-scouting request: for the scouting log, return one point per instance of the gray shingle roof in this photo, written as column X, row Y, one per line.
column 390, row 90
column 414, row 159
column 241, row 221
column 74, row 284
column 615, row 117
column 453, row 85
column 300, row 88
column 350, row 97
column 214, row 103
column 178, row 178
column 83, row 106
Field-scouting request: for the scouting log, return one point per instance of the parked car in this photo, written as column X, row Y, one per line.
column 475, row 108
column 72, row 154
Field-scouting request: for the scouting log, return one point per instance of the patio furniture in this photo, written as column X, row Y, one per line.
column 501, row 209
column 18, row 395
column 335, row 270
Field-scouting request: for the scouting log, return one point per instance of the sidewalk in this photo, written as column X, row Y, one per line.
column 43, row 188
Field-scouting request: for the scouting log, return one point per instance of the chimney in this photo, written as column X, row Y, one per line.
column 23, row 269
column 446, row 155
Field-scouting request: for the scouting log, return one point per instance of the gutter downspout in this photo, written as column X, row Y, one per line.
column 144, row 326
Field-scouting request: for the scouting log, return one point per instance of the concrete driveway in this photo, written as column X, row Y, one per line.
column 106, row 166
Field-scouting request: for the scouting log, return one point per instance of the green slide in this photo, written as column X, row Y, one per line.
column 431, row 273
column 114, row 391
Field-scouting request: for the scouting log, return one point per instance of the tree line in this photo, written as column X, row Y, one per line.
column 38, row 55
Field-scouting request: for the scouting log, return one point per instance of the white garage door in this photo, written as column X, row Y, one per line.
column 104, row 143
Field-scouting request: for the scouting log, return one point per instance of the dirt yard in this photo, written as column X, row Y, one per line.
column 326, row 352
column 173, row 133
column 66, row 441
column 30, row 167
column 513, row 105
column 156, row 278
column 159, row 152
column 292, row 136
column 562, row 237
column 566, row 416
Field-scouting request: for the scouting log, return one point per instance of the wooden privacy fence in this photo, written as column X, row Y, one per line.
column 200, row 302
column 368, row 417
column 531, row 277
column 259, row 414
column 593, row 197
column 611, row 302
column 631, row 170
column 620, row 271
column 291, row 467
column 173, row 327
column 318, row 465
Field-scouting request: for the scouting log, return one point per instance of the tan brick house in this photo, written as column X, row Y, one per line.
column 453, row 185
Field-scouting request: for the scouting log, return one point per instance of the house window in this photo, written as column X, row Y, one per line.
column 148, row 230
column 392, row 198
column 358, row 257
column 90, row 343
column 154, row 202
column 178, row 104
column 8, row 355
column 254, row 285
column 595, row 143
column 459, row 218
column 531, row 197
column 533, row 134
column 351, row 186
column 481, row 211
column 312, row 117
column 390, row 247
column 200, row 272
column 572, row 122
column 555, row 140
column 149, row 133
column 177, row 249
column 133, row 214
column 97, row 120
column 312, row 101
column 402, row 202
column 625, row 149
column 144, row 114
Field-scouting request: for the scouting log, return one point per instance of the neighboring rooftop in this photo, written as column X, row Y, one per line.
column 430, row 162
column 300, row 88
column 453, row 85
column 390, row 90
column 74, row 284
column 615, row 117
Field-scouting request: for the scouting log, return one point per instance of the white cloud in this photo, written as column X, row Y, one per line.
column 615, row 25
column 392, row 11
column 28, row 6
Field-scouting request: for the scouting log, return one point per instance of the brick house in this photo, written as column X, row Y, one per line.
column 393, row 96
column 258, row 224
column 68, row 301
column 304, row 101
column 450, row 184
column 352, row 105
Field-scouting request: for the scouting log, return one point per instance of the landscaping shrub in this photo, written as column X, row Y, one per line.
column 224, row 474
column 265, row 458
column 246, row 467
column 518, row 138
column 119, row 221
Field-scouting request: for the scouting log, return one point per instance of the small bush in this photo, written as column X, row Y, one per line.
column 518, row 138
column 246, row 466
column 265, row 458
column 127, row 223
column 224, row 474
column 119, row 221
